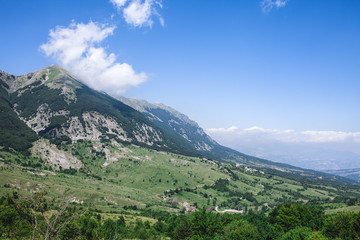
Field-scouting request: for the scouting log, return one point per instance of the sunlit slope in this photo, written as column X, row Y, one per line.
column 179, row 125
column 114, row 176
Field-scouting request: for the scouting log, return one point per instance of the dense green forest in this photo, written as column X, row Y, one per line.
column 14, row 133
column 38, row 217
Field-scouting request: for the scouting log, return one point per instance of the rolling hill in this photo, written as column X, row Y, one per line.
column 60, row 136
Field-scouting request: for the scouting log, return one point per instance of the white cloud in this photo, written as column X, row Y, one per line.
column 162, row 21
column 118, row 3
column 307, row 149
column 329, row 136
column 268, row 5
column 222, row 130
column 285, row 136
column 77, row 49
column 139, row 13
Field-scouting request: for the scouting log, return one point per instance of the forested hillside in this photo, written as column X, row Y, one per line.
column 30, row 218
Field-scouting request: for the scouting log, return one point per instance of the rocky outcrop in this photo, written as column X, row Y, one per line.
column 54, row 156
column 146, row 134
column 41, row 119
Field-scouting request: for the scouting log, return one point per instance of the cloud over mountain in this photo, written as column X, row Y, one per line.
column 78, row 49
column 139, row 13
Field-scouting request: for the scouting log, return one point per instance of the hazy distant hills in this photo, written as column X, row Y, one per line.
column 314, row 156
column 353, row 174
column 341, row 163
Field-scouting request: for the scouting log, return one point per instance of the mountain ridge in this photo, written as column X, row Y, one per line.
column 52, row 102
column 86, row 144
column 164, row 116
column 56, row 106
column 172, row 119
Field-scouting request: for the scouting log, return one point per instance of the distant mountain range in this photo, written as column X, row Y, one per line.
column 353, row 174
column 315, row 156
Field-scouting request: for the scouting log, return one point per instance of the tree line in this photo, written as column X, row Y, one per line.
column 37, row 217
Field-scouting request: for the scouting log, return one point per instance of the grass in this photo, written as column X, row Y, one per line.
column 145, row 178
column 343, row 209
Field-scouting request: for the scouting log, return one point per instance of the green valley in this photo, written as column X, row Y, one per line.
column 112, row 176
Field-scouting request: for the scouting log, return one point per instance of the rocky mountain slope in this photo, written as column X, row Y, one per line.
column 171, row 120
column 60, row 136
column 53, row 106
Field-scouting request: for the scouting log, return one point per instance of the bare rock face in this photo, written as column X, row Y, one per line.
column 54, row 156
column 41, row 119
column 146, row 134
column 167, row 117
column 96, row 126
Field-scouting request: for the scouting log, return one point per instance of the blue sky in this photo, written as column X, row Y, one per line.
column 294, row 65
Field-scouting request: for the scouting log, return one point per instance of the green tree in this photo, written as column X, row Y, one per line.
column 344, row 225
column 109, row 229
column 298, row 233
column 265, row 228
column 241, row 229
column 289, row 216
column 182, row 230
column 11, row 223
column 317, row 236
column 205, row 224
column 88, row 226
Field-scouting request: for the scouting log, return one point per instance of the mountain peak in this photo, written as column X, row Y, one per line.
column 53, row 76
column 57, row 68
